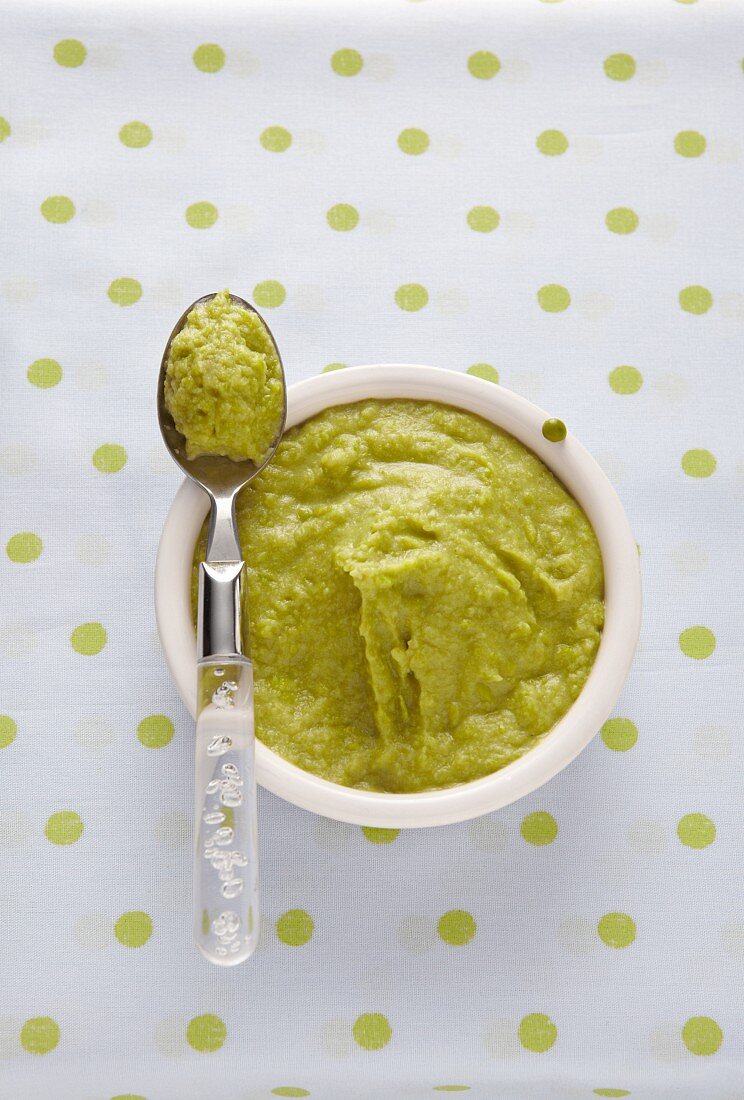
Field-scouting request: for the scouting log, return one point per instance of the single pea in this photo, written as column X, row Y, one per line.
column 554, row 430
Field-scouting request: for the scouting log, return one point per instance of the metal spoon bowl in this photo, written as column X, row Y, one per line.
column 220, row 477
column 225, row 829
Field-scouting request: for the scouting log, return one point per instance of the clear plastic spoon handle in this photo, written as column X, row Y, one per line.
column 225, row 829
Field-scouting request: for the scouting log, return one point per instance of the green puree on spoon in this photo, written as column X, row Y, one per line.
column 223, row 382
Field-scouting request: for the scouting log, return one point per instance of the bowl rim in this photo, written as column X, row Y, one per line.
column 582, row 477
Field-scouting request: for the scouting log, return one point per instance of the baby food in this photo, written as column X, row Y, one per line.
column 223, row 382
column 426, row 598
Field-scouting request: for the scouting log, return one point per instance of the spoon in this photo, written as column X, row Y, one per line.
column 225, row 827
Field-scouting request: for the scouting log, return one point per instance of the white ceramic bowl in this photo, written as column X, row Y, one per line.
column 582, row 477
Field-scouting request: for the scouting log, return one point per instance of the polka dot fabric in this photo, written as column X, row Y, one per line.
column 543, row 194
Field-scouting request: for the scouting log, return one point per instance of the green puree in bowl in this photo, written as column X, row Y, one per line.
column 223, row 384
column 426, row 599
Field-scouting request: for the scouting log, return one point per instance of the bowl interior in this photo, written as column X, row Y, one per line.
column 583, row 478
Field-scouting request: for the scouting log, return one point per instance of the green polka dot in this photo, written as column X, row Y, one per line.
column 44, row 373
column 484, row 370
column 39, row 1035
column 133, row 929
column 702, row 1035
column 537, row 1032
column 333, row 366
column 135, row 135
column 63, row 828
column 483, row 219
column 611, row 1092
column 553, row 298
column 483, row 65
column 695, row 299
column 206, row 1033
column 295, row 927
column 58, row 209
column 269, row 294
column 539, row 828
column 619, row 734
column 616, row 930
column 625, row 380
column 698, row 463
column 412, row 141
column 622, row 220
column 5, row 130
column 24, row 547
column 201, row 215
column 451, row 1088
column 411, row 297
column 696, row 831
column 372, row 1031
column 109, row 458
column 209, row 57
column 347, row 62
column 456, row 927
column 156, row 731
column 88, row 639
column 125, row 292
column 343, row 217
column 689, row 143
column 697, row 642
column 276, row 139
column 70, row 53
column 619, row 66
column 289, row 1090
column 380, row 836
column 8, row 730
column 552, row 143
column 554, row 430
